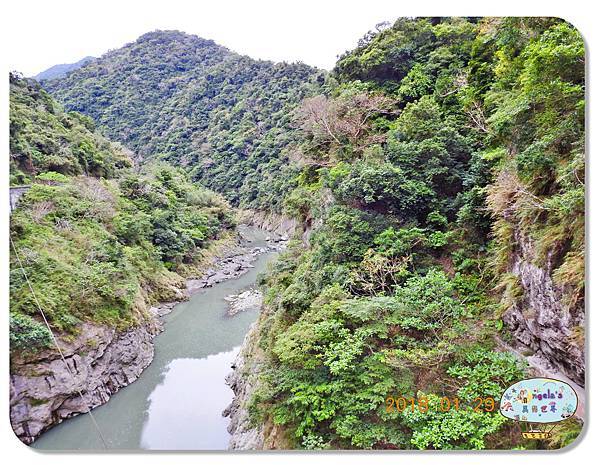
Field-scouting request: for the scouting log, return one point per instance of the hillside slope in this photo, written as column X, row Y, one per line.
column 193, row 103
column 99, row 245
column 442, row 196
column 44, row 137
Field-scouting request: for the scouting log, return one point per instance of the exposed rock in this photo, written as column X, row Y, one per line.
column 271, row 222
column 162, row 309
column 15, row 195
column 541, row 320
column 539, row 367
column 242, row 380
column 102, row 360
column 236, row 263
column 247, row 300
column 283, row 227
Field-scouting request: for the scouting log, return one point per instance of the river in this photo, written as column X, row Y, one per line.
column 177, row 402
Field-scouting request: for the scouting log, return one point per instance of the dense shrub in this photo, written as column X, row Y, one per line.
column 394, row 294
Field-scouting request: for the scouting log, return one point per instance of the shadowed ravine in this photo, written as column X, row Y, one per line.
column 177, row 402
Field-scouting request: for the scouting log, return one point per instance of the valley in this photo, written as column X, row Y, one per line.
column 421, row 207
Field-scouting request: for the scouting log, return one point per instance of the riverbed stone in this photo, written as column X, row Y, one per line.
column 251, row 299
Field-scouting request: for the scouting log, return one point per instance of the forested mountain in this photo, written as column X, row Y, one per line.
column 438, row 177
column 58, row 71
column 443, row 193
column 98, row 242
column 193, row 103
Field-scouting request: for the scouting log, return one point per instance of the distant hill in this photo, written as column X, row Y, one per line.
column 194, row 103
column 58, row 71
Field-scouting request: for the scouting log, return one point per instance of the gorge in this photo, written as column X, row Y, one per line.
column 430, row 192
column 177, row 402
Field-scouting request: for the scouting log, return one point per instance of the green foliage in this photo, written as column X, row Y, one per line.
column 428, row 302
column 44, row 139
column 565, row 433
column 432, row 148
column 346, row 235
column 455, row 429
column 486, row 373
column 393, row 294
column 384, row 188
column 96, row 249
column 335, row 363
column 27, row 334
column 398, row 242
column 192, row 103
column 433, row 145
column 108, row 246
column 52, row 177
column 537, row 109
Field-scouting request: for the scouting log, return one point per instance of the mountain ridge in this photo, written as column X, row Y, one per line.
column 58, row 71
column 189, row 101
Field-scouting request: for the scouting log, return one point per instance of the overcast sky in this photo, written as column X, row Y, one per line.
column 50, row 32
column 41, row 33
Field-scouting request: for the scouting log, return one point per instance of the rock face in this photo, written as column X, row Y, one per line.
column 15, row 195
column 271, row 222
column 540, row 367
column 541, row 320
column 101, row 360
column 234, row 264
column 242, row 380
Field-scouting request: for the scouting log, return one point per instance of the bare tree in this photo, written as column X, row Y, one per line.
column 477, row 116
column 335, row 122
column 460, row 80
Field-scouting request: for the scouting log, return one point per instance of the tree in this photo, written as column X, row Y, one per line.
column 334, row 123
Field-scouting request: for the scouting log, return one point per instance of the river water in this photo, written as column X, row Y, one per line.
column 177, row 402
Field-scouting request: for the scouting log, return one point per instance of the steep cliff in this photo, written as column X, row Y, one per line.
column 101, row 359
column 539, row 316
column 245, row 435
column 451, row 249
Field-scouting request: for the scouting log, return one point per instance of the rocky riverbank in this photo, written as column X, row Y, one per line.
column 102, row 359
column 242, row 381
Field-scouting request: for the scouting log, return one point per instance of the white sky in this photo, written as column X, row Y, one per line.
column 41, row 33
column 45, row 33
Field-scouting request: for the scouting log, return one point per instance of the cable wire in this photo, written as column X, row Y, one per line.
column 88, row 410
